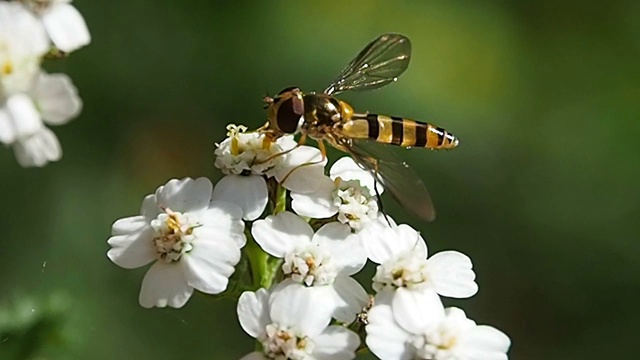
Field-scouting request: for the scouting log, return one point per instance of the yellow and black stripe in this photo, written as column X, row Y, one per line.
column 399, row 131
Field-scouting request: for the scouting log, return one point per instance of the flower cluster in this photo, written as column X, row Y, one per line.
column 30, row 98
column 304, row 236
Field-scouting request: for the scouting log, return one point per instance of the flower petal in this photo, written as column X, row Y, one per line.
column 57, row 98
column 150, row 208
column 253, row 312
column 350, row 298
column 347, row 169
column 186, row 195
column 279, row 234
column 254, row 356
column 346, row 249
column 336, row 343
column 38, row 149
column 131, row 243
column 250, row 193
column 417, row 311
column 66, row 27
column 299, row 307
column 210, row 263
column 483, row 343
column 164, row 285
column 385, row 338
column 225, row 217
column 318, row 204
column 18, row 118
column 300, row 169
column 451, row 274
column 383, row 243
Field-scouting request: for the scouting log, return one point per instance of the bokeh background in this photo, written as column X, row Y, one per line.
column 542, row 194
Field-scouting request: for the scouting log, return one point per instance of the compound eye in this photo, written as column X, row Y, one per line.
column 286, row 90
column 290, row 114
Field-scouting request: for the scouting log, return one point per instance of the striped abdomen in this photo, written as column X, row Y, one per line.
column 398, row 131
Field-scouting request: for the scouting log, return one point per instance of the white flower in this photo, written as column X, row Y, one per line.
column 247, row 159
column 64, row 23
column 52, row 98
column 319, row 263
column 348, row 191
column 194, row 243
column 23, row 42
column 291, row 325
column 425, row 330
column 405, row 270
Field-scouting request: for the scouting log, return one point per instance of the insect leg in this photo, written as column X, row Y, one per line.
column 323, row 151
column 302, row 141
column 378, row 197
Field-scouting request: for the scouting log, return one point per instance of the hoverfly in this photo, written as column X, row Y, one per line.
column 326, row 118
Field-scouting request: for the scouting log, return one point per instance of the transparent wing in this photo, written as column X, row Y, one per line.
column 378, row 64
column 396, row 176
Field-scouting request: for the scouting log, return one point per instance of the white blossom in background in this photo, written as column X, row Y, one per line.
column 57, row 102
column 406, row 272
column 348, row 191
column 320, row 263
column 194, row 243
column 63, row 22
column 424, row 330
column 246, row 162
column 293, row 325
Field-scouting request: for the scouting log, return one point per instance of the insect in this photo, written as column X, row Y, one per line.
column 325, row 118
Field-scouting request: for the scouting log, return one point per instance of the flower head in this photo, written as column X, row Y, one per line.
column 293, row 325
column 319, row 263
column 248, row 158
column 348, row 192
column 194, row 243
column 425, row 330
column 405, row 271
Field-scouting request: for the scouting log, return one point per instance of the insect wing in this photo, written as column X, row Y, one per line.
column 401, row 181
column 378, row 64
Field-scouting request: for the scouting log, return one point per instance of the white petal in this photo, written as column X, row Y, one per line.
column 383, row 243
column 300, row 307
column 66, row 27
column 18, row 118
column 451, row 274
column 186, row 195
column 350, row 298
column 150, row 208
column 300, row 169
column 318, row 204
column 346, row 249
column 417, row 311
column 281, row 233
column 38, row 149
column 385, row 338
column 131, row 243
column 57, row 98
column 483, row 343
column 254, row 356
column 164, row 285
column 253, row 312
column 347, row 169
column 250, row 193
column 225, row 217
column 336, row 343
column 210, row 264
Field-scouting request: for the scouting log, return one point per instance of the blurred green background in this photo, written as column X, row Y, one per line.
column 541, row 194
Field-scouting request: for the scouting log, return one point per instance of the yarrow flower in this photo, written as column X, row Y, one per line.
column 247, row 159
column 302, row 257
column 322, row 262
column 291, row 324
column 194, row 243
column 30, row 98
column 425, row 330
column 348, row 192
